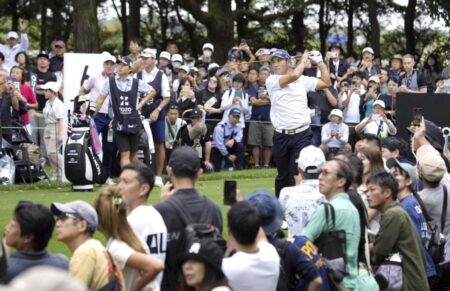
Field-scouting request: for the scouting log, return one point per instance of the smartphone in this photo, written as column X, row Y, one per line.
column 243, row 41
column 17, row 85
column 417, row 116
column 229, row 192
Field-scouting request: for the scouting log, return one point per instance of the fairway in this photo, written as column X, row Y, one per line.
column 45, row 193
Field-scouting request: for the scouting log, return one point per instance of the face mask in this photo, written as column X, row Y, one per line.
column 176, row 65
column 207, row 53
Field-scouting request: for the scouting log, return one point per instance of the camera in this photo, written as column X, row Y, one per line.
column 446, row 131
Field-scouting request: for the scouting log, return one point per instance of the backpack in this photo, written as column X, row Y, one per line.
column 195, row 231
column 281, row 246
column 116, row 282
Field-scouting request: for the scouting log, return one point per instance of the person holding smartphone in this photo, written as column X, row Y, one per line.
column 377, row 123
column 372, row 94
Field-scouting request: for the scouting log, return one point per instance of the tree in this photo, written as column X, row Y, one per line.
column 220, row 18
column 134, row 19
column 122, row 15
column 374, row 26
column 85, row 33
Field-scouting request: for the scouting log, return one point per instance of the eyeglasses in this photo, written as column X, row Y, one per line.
column 65, row 216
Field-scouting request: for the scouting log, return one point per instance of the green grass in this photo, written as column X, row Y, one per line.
column 45, row 193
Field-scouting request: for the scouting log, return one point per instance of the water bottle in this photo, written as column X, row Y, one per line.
column 109, row 138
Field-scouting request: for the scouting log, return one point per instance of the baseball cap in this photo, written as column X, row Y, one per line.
column 397, row 57
column 78, row 207
column 208, row 252
column 374, row 79
column 410, row 169
column 269, row 210
column 279, row 53
column 125, row 60
column 235, row 112
column 184, row 68
column 147, row 53
column 184, row 160
column 369, row 50
column 177, row 58
column 54, row 86
column 222, row 71
column 173, row 106
column 379, row 102
column 13, row 34
column 164, row 55
column 336, row 112
column 213, row 66
column 311, row 159
column 264, row 68
column 43, row 54
column 262, row 51
column 109, row 57
column 60, row 44
column 193, row 69
column 430, row 163
column 208, row 46
column 196, row 113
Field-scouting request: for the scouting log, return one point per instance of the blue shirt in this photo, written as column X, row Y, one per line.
column 412, row 207
column 19, row 262
column 260, row 113
column 309, row 253
column 223, row 132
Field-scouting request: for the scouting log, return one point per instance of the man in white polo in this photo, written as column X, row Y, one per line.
column 289, row 113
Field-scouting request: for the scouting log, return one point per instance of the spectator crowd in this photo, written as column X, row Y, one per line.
column 349, row 209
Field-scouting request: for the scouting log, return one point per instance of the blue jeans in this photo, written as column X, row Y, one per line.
column 316, row 130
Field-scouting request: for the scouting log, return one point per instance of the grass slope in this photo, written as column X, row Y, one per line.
column 45, row 193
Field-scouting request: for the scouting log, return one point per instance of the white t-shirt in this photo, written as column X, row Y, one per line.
column 351, row 112
column 121, row 251
column 299, row 203
column 148, row 224
column 253, row 272
column 289, row 108
column 372, row 127
column 53, row 111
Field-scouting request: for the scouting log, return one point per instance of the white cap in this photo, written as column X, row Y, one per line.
column 177, row 58
column 108, row 57
column 164, row 55
column 54, row 86
column 379, row 102
column 185, row 68
column 311, row 159
column 368, row 49
column 212, row 66
column 337, row 112
column 262, row 51
column 208, row 46
column 13, row 34
column 148, row 53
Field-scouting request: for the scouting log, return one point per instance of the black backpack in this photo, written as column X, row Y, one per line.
column 199, row 230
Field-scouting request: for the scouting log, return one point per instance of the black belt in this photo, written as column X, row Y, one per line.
column 103, row 114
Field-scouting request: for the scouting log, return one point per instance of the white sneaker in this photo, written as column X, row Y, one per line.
column 109, row 182
column 158, row 181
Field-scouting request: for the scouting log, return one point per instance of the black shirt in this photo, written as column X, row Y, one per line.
column 5, row 116
column 194, row 202
column 41, row 79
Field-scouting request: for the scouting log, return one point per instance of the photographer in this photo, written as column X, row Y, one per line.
column 335, row 134
column 173, row 125
column 9, row 98
column 349, row 98
column 377, row 123
column 372, row 94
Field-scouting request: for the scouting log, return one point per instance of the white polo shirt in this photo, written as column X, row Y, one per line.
column 289, row 108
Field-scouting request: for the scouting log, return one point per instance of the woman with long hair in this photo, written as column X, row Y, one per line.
column 235, row 97
column 201, row 268
column 210, row 99
column 186, row 95
column 138, row 267
column 372, row 161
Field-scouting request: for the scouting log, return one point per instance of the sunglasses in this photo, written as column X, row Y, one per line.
column 65, row 216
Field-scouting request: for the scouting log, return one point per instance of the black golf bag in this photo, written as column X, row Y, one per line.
column 81, row 164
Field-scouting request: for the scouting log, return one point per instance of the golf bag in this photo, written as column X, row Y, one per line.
column 81, row 164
